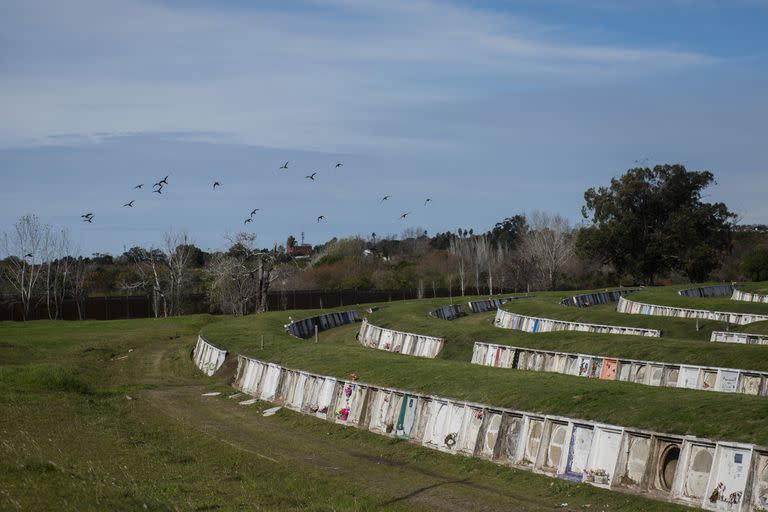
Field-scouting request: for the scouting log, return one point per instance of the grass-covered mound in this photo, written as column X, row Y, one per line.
column 109, row 416
column 668, row 410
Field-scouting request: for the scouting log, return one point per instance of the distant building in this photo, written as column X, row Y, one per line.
column 301, row 250
column 751, row 228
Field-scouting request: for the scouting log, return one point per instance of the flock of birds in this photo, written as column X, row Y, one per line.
column 157, row 188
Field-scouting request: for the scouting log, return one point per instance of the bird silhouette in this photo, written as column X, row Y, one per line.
column 158, row 184
column 284, row 166
column 320, row 217
column 129, row 203
column 89, row 214
column 164, row 181
column 88, row 219
column 428, row 200
column 253, row 212
column 384, row 199
column 311, row 176
column 29, row 255
column 246, row 221
column 404, row 215
column 216, row 184
column 139, row 185
column 158, row 191
column 339, row 164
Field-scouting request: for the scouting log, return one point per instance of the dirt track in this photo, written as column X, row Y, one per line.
column 326, row 448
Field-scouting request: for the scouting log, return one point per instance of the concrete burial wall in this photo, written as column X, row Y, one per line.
column 532, row 324
column 305, row 328
column 744, row 338
column 638, row 308
column 485, row 305
column 207, row 357
column 451, row 312
column 716, row 290
column 651, row 373
column 397, row 341
column 749, row 296
column 590, row 299
column 723, row 476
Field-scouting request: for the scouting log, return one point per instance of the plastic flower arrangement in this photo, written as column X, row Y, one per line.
column 479, row 414
column 323, row 410
column 597, row 476
column 450, row 439
column 348, row 390
column 343, row 413
column 386, row 346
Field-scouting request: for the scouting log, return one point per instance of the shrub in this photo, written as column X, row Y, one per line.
column 754, row 265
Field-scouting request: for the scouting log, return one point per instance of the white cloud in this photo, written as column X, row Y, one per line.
column 315, row 78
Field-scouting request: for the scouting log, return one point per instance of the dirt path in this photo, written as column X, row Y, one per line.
column 326, row 449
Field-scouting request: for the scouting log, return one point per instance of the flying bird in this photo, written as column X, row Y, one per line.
column 320, row 217
column 253, row 212
column 216, row 184
column 339, row 164
column 88, row 219
column 284, row 166
column 404, row 215
column 139, row 185
column 246, row 221
column 29, row 255
column 158, row 184
column 311, row 176
column 428, row 200
column 89, row 214
column 130, row 203
column 384, row 199
column 164, row 180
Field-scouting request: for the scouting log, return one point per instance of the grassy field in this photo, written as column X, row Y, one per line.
column 664, row 409
column 109, row 416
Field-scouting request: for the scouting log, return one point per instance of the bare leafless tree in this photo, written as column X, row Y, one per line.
column 460, row 248
column 483, row 260
column 58, row 259
column 549, row 244
column 179, row 251
column 150, row 275
column 241, row 278
column 79, row 269
column 25, row 248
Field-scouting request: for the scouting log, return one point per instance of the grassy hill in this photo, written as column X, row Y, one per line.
column 109, row 415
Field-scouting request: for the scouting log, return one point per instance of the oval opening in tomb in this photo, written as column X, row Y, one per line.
column 668, row 466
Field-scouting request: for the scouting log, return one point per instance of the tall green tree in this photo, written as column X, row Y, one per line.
column 509, row 231
column 649, row 222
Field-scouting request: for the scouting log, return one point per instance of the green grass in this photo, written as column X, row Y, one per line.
column 663, row 409
column 73, row 440
column 668, row 296
column 108, row 416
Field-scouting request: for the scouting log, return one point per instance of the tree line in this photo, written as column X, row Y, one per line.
column 647, row 226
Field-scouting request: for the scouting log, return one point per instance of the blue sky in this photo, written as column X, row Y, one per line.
column 488, row 108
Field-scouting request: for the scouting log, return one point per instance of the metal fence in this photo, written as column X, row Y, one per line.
column 140, row 306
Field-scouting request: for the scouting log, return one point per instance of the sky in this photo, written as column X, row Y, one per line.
column 489, row 109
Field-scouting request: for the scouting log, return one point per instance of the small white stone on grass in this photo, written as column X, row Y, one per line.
column 272, row 411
